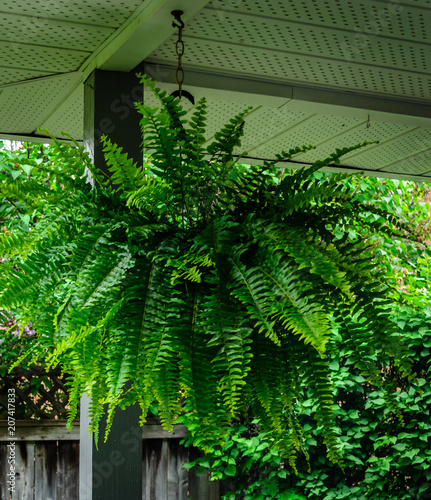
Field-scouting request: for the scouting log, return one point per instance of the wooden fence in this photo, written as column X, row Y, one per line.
column 47, row 464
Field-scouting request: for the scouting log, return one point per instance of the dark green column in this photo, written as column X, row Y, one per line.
column 109, row 98
column 114, row 470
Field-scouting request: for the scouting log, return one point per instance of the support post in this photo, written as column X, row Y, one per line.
column 114, row 470
column 109, row 109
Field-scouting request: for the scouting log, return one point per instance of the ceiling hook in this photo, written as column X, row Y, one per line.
column 183, row 93
column 177, row 15
column 179, row 49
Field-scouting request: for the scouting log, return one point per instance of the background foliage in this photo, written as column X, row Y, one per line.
column 33, row 381
column 17, row 216
column 382, row 458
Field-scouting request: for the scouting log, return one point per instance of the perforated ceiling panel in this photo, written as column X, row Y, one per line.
column 395, row 149
column 370, row 16
column 107, row 13
column 374, row 47
column 23, row 117
column 419, row 164
column 265, row 124
column 68, row 118
column 277, row 34
column 52, row 32
column 359, row 133
column 47, row 59
column 12, row 75
column 44, row 37
column 314, row 130
column 401, row 148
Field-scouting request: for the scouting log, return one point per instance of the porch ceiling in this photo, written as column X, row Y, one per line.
column 324, row 72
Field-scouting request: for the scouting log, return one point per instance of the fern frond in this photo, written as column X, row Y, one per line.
column 320, row 389
column 125, row 174
column 229, row 137
column 38, row 273
column 295, row 312
column 249, row 288
column 307, row 253
column 102, row 276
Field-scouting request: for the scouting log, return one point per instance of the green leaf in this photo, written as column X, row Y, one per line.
column 25, row 218
column 230, row 470
column 27, row 168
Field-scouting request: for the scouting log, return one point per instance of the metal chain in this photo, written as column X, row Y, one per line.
column 179, row 49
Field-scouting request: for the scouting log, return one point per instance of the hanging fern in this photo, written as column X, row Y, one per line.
column 196, row 281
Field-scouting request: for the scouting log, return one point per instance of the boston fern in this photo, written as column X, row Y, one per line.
column 196, row 281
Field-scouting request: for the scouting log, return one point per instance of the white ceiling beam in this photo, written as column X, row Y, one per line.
column 148, row 27
column 295, row 97
column 38, row 139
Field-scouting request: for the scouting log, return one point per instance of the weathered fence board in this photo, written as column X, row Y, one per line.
column 45, row 471
column 3, row 472
column 37, row 430
column 47, row 464
column 68, row 470
column 55, row 430
column 24, row 475
column 164, row 478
